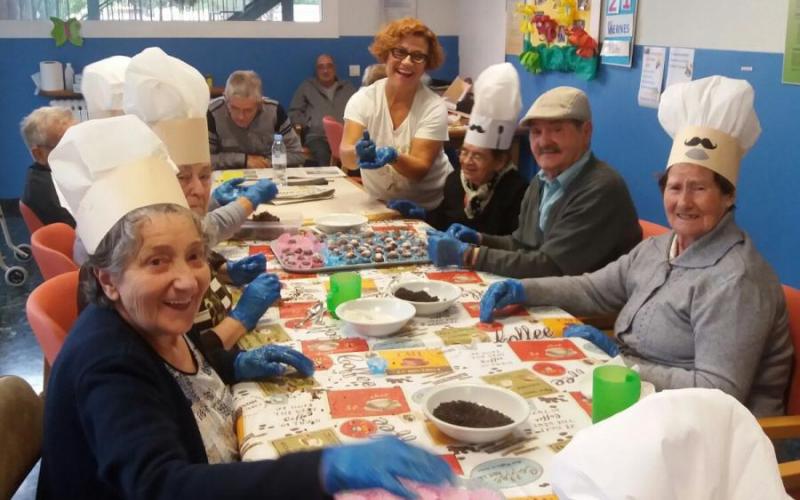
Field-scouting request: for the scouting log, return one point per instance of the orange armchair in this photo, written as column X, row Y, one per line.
column 31, row 219
column 52, row 309
column 52, row 248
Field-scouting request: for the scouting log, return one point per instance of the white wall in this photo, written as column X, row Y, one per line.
column 365, row 17
column 481, row 35
column 747, row 25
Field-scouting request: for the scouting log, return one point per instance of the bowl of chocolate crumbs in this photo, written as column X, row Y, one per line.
column 476, row 413
column 427, row 296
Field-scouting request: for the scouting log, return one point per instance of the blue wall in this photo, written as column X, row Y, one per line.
column 630, row 138
column 282, row 64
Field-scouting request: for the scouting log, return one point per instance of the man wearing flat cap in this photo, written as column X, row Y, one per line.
column 577, row 214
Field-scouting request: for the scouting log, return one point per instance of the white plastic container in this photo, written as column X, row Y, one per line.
column 279, row 160
column 69, row 77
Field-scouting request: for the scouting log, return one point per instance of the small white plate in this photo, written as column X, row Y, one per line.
column 339, row 222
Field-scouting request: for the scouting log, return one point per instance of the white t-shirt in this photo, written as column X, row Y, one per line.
column 427, row 119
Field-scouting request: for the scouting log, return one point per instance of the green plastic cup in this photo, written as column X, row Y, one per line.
column 343, row 287
column 614, row 388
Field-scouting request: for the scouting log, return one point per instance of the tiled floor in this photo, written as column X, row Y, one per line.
column 19, row 353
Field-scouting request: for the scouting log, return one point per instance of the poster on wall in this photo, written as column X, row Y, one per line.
column 791, row 53
column 398, row 9
column 652, row 76
column 618, row 32
column 513, row 34
column 557, row 35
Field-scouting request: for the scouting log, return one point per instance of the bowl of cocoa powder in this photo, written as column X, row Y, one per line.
column 476, row 413
column 427, row 296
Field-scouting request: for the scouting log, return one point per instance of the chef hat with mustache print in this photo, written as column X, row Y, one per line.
column 712, row 122
column 493, row 120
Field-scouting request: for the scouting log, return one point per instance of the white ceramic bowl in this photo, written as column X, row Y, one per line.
column 505, row 401
column 447, row 293
column 339, row 222
column 375, row 317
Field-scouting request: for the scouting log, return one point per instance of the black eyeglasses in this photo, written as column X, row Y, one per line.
column 400, row 53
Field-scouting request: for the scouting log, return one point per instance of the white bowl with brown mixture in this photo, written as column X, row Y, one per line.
column 427, row 296
column 476, row 413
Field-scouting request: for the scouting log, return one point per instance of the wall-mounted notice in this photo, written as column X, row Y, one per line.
column 791, row 53
column 652, row 76
column 681, row 65
column 618, row 32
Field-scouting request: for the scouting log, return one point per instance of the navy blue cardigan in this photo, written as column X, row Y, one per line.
column 118, row 426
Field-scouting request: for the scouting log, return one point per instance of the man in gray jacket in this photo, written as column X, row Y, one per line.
column 323, row 95
column 242, row 123
column 577, row 214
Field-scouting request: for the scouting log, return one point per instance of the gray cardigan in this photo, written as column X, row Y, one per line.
column 592, row 224
column 713, row 317
column 310, row 104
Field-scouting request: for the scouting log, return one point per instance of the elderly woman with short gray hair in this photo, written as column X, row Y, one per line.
column 698, row 306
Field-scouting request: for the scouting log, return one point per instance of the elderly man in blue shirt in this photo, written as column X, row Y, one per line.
column 577, row 214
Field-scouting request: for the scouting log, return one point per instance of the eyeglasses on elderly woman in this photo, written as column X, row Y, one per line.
column 400, row 54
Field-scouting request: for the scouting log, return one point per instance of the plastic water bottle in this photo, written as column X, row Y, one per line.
column 69, row 77
column 279, row 160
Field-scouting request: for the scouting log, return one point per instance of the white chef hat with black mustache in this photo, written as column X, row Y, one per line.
column 497, row 104
column 712, row 122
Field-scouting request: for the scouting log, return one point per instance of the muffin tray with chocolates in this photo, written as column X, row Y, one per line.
column 310, row 252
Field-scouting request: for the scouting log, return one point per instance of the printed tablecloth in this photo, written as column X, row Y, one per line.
column 347, row 401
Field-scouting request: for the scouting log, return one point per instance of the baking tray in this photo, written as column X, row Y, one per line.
column 315, row 252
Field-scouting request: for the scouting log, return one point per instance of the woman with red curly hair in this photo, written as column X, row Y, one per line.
column 394, row 129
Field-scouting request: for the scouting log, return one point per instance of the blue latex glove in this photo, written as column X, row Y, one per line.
column 501, row 294
column 245, row 270
column 594, row 336
column 369, row 157
column 228, row 191
column 256, row 299
column 365, row 149
column 407, row 208
column 464, row 233
column 444, row 250
column 379, row 464
column 260, row 192
column 270, row 361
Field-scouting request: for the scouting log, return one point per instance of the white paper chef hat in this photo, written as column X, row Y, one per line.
column 712, row 122
column 105, row 168
column 684, row 443
column 172, row 97
column 497, row 104
column 102, row 86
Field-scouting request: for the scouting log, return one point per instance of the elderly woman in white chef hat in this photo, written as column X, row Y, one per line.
column 486, row 193
column 698, row 306
column 133, row 409
column 172, row 98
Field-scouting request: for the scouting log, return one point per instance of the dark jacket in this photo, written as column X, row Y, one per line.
column 500, row 216
column 310, row 103
column 592, row 224
column 117, row 425
column 40, row 195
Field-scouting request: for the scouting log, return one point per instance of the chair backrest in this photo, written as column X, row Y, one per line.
column 21, row 423
column 793, row 305
column 333, row 132
column 31, row 219
column 52, row 309
column 52, row 248
column 651, row 229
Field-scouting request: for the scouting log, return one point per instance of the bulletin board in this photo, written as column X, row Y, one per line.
column 556, row 35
